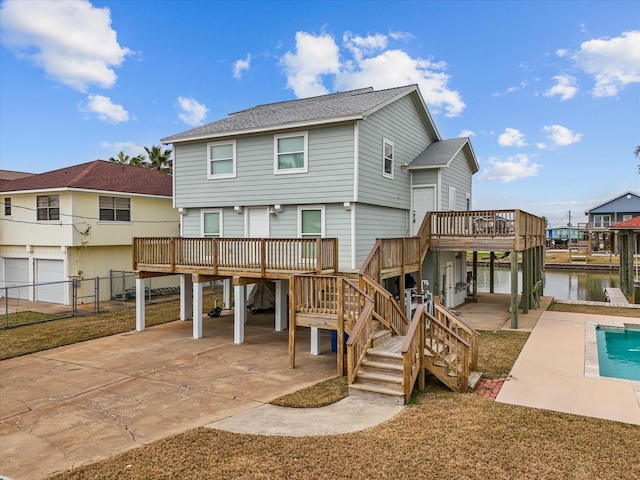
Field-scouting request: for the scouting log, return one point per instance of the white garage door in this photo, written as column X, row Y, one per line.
column 16, row 272
column 47, row 271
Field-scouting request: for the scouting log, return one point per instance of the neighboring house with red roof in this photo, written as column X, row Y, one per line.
column 78, row 222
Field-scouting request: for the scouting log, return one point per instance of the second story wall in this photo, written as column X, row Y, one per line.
column 400, row 124
column 457, row 176
column 329, row 176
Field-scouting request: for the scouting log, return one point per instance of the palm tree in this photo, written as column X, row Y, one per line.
column 125, row 159
column 160, row 158
column 637, row 154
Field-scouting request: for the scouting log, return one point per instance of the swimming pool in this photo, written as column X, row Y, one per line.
column 619, row 352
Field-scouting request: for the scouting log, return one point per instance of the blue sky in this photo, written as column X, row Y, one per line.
column 548, row 91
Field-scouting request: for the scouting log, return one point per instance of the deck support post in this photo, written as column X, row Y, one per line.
column 239, row 312
column 292, row 323
column 226, row 293
column 197, row 310
column 525, row 298
column 315, row 341
column 186, row 297
column 492, row 265
column 282, row 290
column 514, row 290
column 140, row 304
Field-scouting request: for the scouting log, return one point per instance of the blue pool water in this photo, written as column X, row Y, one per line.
column 619, row 352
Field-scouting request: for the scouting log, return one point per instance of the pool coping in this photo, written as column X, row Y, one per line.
column 591, row 359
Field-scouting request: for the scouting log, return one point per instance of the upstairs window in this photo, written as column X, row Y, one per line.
column 115, row 209
column 387, row 158
column 48, row 207
column 7, row 206
column 221, row 159
column 291, row 153
column 601, row 221
column 452, row 198
column 211, row 223
column 310, row 225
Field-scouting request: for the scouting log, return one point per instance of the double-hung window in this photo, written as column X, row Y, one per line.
column 310, row 225
column 115, row 209
column 221, row 159
column 211, row 223
column 387, row 158
column 601, row 221
column 291, row 153
column 452, row 198
column 7, row 206
column 48, row 207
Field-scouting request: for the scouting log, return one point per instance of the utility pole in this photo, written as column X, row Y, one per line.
column 569, row 238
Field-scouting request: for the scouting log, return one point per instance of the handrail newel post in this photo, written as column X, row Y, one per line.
column 172, row 253
column 263, row 257
column 340, row 333
column 319, row 255
column 214, row 255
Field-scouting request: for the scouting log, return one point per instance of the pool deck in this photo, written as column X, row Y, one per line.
column 557, row 370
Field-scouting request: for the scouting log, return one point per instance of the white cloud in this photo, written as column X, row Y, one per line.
column 105, row 109
column 466, row 133
column 565, row 87
column 71, row 40
column 130, row 148
column 240, row 66
column 315, row 57
column 369, row 63
column 561, row 136
column 541, row 146
column 613, row 63
column 192, row 112
column 513, row 168
column 562, row 52
column 399, row 35
column 512, row 137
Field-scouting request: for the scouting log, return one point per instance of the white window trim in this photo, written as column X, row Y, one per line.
column 48, row 221
column 211, row 176
column 116, row 222
column 301, row 208
column 211, row 210
column 305, row 168
column 393, row 158
column 4, row 205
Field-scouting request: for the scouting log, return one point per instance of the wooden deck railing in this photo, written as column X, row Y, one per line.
column 359, row 341
column 413, row 354
column 461, row 329
column 257, row 255
column 448, row 350
column 385, row 307
column 487, row 223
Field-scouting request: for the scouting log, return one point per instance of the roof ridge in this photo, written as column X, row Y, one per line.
column 90, row 166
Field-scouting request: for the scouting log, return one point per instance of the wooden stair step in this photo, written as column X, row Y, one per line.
column 379, row 377
column 382, row 365
column 474, row 378
column 391, row 345
column 377, row 393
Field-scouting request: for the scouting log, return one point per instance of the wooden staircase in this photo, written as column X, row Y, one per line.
column 380, row 376
column 448, row 371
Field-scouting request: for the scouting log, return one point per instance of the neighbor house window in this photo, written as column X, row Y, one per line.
column 291, row 153
column 310, row 225
column 7, row 206
column 115, row 209
column 221, row 159
column 211, row 223
column 387, row 158
column 48, row 207
column 601, row 221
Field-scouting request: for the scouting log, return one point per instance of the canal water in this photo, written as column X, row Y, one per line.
column 561, row 284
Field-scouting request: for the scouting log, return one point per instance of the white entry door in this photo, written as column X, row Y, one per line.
column 258, row 221
column 423, row 201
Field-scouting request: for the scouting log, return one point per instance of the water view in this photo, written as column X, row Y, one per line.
column 561, row 284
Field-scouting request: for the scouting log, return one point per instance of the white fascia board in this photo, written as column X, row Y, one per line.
column 272, row 128
column 83, row 190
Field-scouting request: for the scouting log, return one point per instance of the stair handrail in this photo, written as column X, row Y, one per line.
column 412, row 354
column 386, row 309
column 359, row 341
column 424, row 234
column 448, row 350
column 464, row 331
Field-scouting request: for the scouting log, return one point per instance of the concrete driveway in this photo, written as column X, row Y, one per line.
column 80, row 403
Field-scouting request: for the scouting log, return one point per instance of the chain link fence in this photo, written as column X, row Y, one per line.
column 41, row 302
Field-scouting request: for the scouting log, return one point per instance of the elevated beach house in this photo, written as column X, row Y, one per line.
column 78, row 222
column 342, row 200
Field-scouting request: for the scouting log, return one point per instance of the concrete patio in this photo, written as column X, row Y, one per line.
column 80, row 403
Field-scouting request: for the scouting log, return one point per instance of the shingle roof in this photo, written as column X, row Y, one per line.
column 332, row 107
column 440, row 153
column 631, row 224
column 7, row 175
column 97, row 175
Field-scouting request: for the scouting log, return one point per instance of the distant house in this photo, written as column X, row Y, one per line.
column 563, row 237
column 599, row 218
column 9, row 175
column 78, row 222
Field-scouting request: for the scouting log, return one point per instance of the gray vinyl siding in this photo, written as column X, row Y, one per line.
column 400, row 123
column 424, row 177
column 330, row 175
column 458, row 175
column 373, row 222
